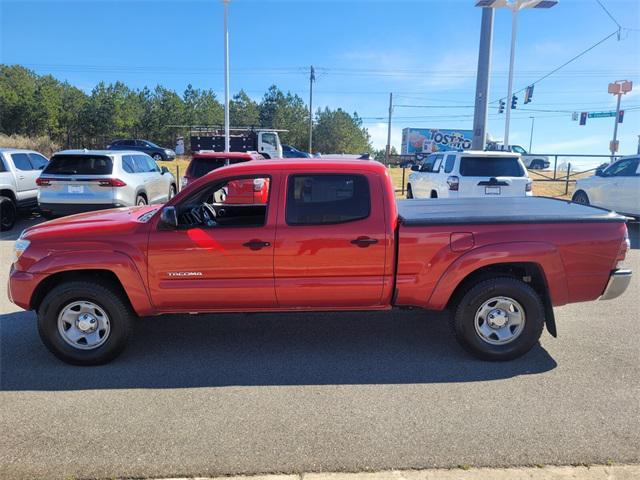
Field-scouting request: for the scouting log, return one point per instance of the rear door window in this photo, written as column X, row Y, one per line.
column 491, row 167
column 21, row 161
column 327, row 199
column 79, row 165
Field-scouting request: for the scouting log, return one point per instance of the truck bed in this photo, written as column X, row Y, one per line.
column 467, row 211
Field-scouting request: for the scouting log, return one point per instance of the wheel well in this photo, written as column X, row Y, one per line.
column 104, row 277
column 9, row 194
column 530, row 273
column 434, row 194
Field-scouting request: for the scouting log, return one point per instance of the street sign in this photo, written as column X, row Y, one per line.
column 601, row 114
column 583, row 118
column 613, row 146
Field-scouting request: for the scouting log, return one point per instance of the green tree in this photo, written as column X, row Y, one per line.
column 287, row 112
column 243, row 111
column 336, row 131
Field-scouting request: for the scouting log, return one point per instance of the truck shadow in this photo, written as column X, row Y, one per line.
column 260, row 350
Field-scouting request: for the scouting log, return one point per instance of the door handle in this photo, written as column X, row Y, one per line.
column 256, row 244
column 364, row 242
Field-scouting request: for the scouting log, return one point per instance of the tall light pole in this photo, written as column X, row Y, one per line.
column 312, row 78
column 227, row 140
column 618, row 88
column 515, row 6
column 482, row 81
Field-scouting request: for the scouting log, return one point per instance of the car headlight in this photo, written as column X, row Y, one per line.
column 19, row 248
column 168, row 152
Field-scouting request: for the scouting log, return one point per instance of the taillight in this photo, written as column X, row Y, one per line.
column 625, row 246
column 453, row 182
column 43, row 182
column 111, row 182
column 529, row 186
column 258, row 183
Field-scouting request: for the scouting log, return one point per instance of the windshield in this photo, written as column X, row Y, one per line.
column 491, row 167
column 79, row 165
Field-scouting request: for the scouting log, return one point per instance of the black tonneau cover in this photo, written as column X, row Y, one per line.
column 461, row 211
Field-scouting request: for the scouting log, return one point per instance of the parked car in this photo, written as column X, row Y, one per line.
column 531, row 160
column 159, row 154
column 205, row 161
column 330, row 237
column 617, row 187
column 19, row 170
column 291, row 152
column 77, row 181
column 469, row 174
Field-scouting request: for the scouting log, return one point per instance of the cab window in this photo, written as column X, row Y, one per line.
column 325, row 199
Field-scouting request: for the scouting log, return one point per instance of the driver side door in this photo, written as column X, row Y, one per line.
column 223, row 266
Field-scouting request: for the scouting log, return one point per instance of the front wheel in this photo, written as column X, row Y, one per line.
column 580, row 197
column 157, row 157
column 84, row 323
column 499, row 319
column 141, row 201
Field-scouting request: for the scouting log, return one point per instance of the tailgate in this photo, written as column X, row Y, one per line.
column 492, row 176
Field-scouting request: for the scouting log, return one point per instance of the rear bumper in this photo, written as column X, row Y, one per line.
column 71, row 208
column 618, row 283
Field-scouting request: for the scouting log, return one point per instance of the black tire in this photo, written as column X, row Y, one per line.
column 108, row 299
column 141, row 200
column 157, row 157
column 172, row 192
column 409, row 191
column 580, row 197
column 8, row 213
column 434, row 194
column 464, row 319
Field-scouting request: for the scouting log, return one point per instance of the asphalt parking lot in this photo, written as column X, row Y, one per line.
column 232, row 394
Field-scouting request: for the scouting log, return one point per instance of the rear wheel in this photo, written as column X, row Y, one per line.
column 499, row 319
column 172, row 192
column 434, row 194
column 85, row 323
column 8, row 212
column 580, row 197
column 140, row 200
column 409, row 191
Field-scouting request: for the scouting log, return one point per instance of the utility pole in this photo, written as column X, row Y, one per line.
column 482, row 81
column 512, row 57
column 618, row 88
column 227, row 139
column 312, row 78
column 388, row 152
column 614, row 143
column 533, row 121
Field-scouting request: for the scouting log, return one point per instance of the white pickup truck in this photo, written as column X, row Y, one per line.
column 19, row 170
column 530, row 160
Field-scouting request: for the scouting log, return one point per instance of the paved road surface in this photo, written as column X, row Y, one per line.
column 288, row 393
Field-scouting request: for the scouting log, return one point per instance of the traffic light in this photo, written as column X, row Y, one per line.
column 620, row 116
column 501, row 106
column 528, row 94
column 583, row 118
column 514, row 102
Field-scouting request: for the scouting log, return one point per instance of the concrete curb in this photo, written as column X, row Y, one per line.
column 596, row 472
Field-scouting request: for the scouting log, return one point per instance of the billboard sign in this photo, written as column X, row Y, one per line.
column 428, row 140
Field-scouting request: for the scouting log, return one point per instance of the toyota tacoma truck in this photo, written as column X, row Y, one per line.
column 330, row 237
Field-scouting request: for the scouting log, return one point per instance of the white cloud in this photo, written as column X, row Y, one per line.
column 378, row 132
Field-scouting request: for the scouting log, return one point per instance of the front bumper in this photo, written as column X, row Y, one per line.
column 618, row 282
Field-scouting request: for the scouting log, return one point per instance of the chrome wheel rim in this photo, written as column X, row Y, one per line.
column 172, row 193
column 84, row 325
column 499, row 320
column 141, row 202
column 157, row 157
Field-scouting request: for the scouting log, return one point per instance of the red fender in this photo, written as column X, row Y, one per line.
column 543, row 254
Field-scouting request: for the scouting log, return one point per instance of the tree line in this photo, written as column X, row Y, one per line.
column 36, row 105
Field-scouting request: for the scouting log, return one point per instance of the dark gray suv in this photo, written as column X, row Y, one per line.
column 159, row 154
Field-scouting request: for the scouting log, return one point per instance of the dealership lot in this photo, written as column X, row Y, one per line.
column 303, row 392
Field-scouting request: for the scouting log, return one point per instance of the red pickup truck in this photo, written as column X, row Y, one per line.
column 330, row 236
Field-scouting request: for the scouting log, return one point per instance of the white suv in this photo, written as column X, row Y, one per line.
column 469, row 174
column 616, row 188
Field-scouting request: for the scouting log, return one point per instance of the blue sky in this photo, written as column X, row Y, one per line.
column 423, row 51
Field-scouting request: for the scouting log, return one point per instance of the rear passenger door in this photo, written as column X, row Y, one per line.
column 330, row 242
column 26, row 176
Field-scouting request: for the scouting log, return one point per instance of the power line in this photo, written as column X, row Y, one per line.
column 609, row 13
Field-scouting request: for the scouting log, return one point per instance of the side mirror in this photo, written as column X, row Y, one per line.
column 168, row 218
column 164, row 170
column 415, row 168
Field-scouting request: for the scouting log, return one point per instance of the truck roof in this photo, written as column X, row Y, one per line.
column 330, row 165
column 99, row 152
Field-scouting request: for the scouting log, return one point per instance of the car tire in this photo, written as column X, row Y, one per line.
column 172, row 192
column 434, row 194
column 141, row 200
column 105, row 310
column 157, row 157
column 8, row 213
column 409, row 192
column 499, row 319
column 580, row 197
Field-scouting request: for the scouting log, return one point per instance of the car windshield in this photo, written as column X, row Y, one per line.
column 201, row 166
column 491, row 167
column 79, row 165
